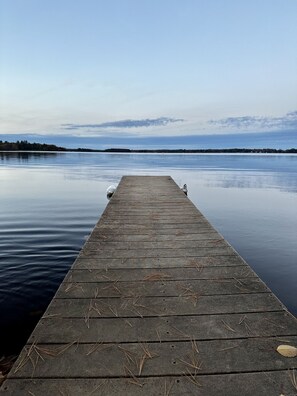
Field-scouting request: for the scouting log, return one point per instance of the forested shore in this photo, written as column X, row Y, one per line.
column 24, row 145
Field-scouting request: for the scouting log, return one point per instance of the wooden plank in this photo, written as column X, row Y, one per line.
column 130, row 229
column 154, row 220
column 171, row 223
column 148, row 207
column 148, row 200
column 92, row 245
column 168, row 358
column 166, row 306
column 83, row 262
column 244, row 384
column 169, row 288
column 123, row 211
column 151, row 215
column 141, row 274
column 147, row 253
column 176, row 227
column 165, row 329
column 114, row 236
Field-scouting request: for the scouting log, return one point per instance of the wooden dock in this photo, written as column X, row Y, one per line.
column 158, row 303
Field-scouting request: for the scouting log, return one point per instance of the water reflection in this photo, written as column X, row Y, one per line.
column 226, row 171
column 24, row 156
column 253, row 180
column 264, row 163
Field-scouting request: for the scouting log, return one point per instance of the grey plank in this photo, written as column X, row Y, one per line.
column 152, row 219
column 165, row 223
column 155, row 226
column 122, row 212
column 166, row 306
column 164, row 329
column 160, row 288
column 94, row 245
column 114, row 236
column 180, row 229
column 139, row 274
column 170, row 358
column 244, row 384
column 183, row 211
column 157, row 262
column 151, row 210
column 143, row 253
column 133, row 199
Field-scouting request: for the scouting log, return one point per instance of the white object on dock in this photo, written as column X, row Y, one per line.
column 185, row 189
column 110, row 191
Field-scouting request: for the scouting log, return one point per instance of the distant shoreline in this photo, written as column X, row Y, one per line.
column 26, row 146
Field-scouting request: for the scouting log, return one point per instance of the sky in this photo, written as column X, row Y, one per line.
column 145, row 70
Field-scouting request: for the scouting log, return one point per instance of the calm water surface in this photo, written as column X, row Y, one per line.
column 49, row 203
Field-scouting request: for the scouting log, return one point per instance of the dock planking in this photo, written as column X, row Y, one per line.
column 158, row 303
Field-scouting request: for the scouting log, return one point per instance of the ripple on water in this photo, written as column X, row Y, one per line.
column 34, row 259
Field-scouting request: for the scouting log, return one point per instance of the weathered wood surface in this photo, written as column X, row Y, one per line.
column 163, row 288
column 243, row 384
column 158, row 303
column 155, row 262
column 170, row 273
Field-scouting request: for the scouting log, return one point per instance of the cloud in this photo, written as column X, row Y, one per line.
column 147, row 122
column 288, row 122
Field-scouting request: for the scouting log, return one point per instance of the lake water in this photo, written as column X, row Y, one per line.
column 49, row 203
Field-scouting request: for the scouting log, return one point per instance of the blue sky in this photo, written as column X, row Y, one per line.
column 144, row 69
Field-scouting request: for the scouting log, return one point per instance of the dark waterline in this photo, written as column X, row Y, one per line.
column 50, row 202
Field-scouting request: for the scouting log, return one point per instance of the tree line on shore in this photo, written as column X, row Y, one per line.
column 24, row 145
